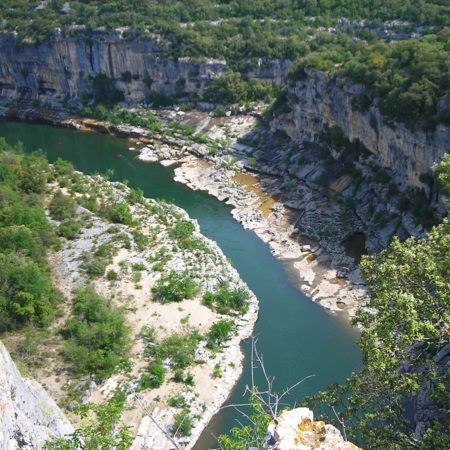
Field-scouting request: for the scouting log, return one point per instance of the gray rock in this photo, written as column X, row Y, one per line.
column 29, row 416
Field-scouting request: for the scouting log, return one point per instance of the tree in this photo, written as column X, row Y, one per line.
column 100, row 428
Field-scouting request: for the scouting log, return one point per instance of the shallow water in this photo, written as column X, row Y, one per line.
column 296, row 337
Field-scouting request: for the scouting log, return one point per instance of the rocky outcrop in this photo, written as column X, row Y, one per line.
column 320, row 100
column 28, row 416
column 297, row 430
column 62, row 68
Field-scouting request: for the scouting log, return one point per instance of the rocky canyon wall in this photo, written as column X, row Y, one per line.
column 320, row 100
column 28, row 416
column 62, row 68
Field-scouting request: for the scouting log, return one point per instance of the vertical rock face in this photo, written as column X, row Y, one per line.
column 62, row 67
column 319, row 100
column 297, row 430
column 28, row 416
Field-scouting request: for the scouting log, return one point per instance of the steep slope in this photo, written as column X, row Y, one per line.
column 28, row 415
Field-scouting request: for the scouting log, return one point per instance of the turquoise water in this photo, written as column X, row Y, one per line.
column 296, row 337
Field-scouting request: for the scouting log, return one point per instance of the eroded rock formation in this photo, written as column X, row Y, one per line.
column 320, row 100
column 297, row 430
column 28, row 415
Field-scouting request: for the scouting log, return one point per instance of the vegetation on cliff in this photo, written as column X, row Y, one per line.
column 26, row 293
column 399, row 399
column 407, row 79
column 216, row 28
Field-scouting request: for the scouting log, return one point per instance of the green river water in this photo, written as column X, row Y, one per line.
column 296, row 337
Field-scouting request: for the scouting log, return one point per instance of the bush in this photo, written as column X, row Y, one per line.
column 118, row 213
column 69, row 229
column 62, row 207
column 153, row 378
column 112, row 275
column 95, row 266
column 178, row 348
column 26, row 294
column 219, row 333
column 183, row 423
column 226, row 299
column 175, row 287
column 20, row 239
column 97, row 335
column 183, row 229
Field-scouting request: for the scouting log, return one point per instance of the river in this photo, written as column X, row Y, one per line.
column 296, row 337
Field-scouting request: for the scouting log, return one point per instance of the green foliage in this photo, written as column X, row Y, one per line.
column 178, row 348
column 183, row 423
column 175, row 287
column 26, row 294
column 226, row 300
column 177, row 401
column 442, row 172
column 69, row 229
column 62, row 207
column 250, row 435
column 153, row 377
column 219, row 333
column 404, row 325
column 112, row 275
column 409, row 77
column 145, row 120
column 117, row 213
column 265, row 28
column 101, row 428
column 231, row 89
column 183, row 229
column 97, row 335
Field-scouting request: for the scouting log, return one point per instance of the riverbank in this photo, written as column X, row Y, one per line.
column 125, row 263
column 258, row 200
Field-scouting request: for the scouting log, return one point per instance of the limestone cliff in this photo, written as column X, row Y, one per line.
column 320, row 100
column 62, row 68
column 296, row 430
column 28, row 415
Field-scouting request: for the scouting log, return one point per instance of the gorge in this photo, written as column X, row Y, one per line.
column 219, row 171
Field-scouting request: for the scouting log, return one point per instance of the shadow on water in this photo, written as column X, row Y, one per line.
column 296, row 337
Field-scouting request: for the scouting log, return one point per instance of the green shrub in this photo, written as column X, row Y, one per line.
column 103, row 429
column 26, row 294
column 112, row 275
column 20, row 239
column 217, row 372
column 174, row 287
column 95, row 266
column 183, row 229
column 226, row 299
column 97, row 335
column 63, row 168
column 62, row 207
column 179, row 348
column 117, row 213
column 69, row 229
column 153, row 378
column 177, row 401
column 178, row 376
column 219, row 333
column 183, row 423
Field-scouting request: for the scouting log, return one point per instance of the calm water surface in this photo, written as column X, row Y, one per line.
column 296, row 337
